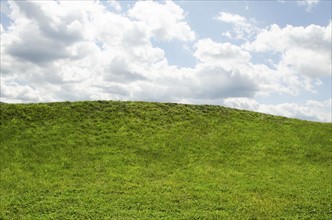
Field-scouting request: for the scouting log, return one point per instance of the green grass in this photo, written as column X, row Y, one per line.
column 135, row 160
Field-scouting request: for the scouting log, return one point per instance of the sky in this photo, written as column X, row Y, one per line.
column 267, row 56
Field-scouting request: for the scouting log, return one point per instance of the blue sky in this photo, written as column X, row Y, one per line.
column 266, row 56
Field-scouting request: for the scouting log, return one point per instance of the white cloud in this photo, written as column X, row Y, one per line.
column 215, row 82
column 235, row 61
column 164, row 21
column 305, row 51
column 70, row 50
column 309, row 4
column 244, row 29
column 242, row 103
column 274, row 38
column 112, row 57
column 310, row 110
column 73, row 46
column 224, row 70
column 211, row 52
column 232, row 18
column 46, row 58
column 227, row 34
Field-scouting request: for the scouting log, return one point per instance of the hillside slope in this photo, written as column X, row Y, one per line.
column 136, row 160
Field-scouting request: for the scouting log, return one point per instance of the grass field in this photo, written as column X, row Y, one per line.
column 136, row 160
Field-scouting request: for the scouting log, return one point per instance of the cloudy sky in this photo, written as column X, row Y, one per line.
column 266, row 56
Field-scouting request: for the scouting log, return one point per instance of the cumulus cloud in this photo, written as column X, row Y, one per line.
column 119, row 71
column 69, row 50
column 112, row 56
column 215, row 82
column 304, row 55
column 211, row 52
column 164, row 21
column 310, row 110
column 237, row 67
column 224, row 69
column 74, row 44
column 36, row 35
column 306, row 50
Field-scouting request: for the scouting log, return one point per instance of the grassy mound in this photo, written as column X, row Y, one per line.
column 135, row 160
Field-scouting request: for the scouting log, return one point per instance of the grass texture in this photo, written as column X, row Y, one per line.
column 137, row 160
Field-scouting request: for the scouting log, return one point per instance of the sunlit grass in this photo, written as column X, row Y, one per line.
column 134, row 160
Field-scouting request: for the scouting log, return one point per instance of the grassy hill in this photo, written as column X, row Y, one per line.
column 135, row 160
